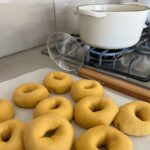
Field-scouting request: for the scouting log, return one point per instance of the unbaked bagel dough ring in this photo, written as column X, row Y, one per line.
column 29, row 95
column 11, row 135
column 58, row 82
column 134, row 118
column 49, row 132
column 7, row 110
column 58, row 104
column 84, row 88
column 92, row 111
column 100, row 136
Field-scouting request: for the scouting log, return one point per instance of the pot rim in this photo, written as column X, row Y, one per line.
column 145, row 8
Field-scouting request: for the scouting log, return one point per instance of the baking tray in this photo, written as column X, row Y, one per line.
column 7, row 88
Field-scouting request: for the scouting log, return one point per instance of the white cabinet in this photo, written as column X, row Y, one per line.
column 24, row 24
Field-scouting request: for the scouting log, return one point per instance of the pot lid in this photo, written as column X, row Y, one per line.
column 65, row 51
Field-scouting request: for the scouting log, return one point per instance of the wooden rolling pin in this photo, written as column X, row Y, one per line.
column 116, row 84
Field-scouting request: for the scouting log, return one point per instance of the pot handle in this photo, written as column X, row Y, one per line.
column 91, row 13
column 145, row 26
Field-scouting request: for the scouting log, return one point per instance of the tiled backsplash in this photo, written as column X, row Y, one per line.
column 24, row 24
column 27, row 23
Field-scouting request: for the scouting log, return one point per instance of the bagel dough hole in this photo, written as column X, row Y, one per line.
column 50, row 133
column 90, row 86
column 29, row 89
column 58, row 77
column 139, row 116
column 56, row 106
column 6, row 136
column 96, row 108
column 102, row 147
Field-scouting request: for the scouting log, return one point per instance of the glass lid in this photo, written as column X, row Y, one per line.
column 65, row 51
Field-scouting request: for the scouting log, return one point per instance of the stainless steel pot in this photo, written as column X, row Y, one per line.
column 111, row 26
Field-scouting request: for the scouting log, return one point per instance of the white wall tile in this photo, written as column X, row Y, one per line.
column 24, row 24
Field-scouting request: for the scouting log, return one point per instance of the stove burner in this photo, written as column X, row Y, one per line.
column 144, row 44
column 143, row 50
column 130, row 62
column 108, row 55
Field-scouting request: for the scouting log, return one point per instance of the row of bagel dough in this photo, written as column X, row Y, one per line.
column 136, row 121
column 89, row 111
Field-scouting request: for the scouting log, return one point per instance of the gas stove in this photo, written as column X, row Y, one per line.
column 131, row 64
column 128, row 64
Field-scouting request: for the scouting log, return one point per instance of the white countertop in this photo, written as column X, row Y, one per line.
column 24, row 62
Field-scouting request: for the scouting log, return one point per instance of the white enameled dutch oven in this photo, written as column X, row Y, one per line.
column 146, row 3
column 111, row 26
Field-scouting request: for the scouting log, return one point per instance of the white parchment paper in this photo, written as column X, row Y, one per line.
column 7, row 88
